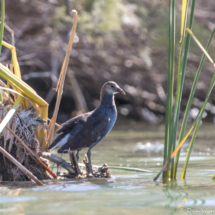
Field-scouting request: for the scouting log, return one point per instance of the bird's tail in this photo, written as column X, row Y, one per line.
column 59, row 141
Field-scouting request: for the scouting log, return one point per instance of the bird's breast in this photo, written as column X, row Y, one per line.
column 112, row 115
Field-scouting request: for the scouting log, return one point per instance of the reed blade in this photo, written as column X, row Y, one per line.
column 200, row 46
column 197, row 127
column 182, row 64
column 183, row 17
column 129, row 169
column 204, row 104
column 170, row 86
column 189, row 103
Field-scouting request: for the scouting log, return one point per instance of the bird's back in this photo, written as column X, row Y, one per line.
column 95, row 128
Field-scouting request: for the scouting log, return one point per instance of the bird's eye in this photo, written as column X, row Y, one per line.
column 112, row 86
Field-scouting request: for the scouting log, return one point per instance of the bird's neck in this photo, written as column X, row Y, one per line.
column 107, row 100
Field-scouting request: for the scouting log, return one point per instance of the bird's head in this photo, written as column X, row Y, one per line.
column 111, row 88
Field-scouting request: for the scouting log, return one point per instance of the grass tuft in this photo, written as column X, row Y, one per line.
column 169, row 169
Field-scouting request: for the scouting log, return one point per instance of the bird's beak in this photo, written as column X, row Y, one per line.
column 121, row 91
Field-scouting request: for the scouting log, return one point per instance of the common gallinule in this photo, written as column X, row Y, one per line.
column 87, row 130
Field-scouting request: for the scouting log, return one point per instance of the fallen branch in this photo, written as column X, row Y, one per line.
column 59, row 161
column 21, row 167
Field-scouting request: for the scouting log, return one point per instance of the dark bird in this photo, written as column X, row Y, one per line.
column 87, row 130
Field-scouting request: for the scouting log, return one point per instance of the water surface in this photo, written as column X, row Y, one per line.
column 129, row 145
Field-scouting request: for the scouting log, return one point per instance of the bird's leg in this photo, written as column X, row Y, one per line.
column 70, row 157
column 75, row 162
column 89, row 161
column 77, row 155
column 59, row 165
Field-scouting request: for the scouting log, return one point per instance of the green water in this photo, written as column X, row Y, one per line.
column 127, row 192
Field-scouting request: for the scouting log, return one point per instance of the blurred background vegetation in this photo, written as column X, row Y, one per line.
column 121, row 40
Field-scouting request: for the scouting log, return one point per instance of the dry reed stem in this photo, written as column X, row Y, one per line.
column 21, row 167
column 200, row 46
column 57, row 125
column 62, row 79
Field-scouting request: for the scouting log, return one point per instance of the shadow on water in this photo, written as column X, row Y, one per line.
column 127, row 192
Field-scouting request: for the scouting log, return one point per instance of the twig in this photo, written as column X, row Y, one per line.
column 62, row 78
column 56, row 124
column 55, row 62
column 77, row 94
column 31, row 152
column 21, row 167
column 44, row 74
column 163, row 168
column 59, row 161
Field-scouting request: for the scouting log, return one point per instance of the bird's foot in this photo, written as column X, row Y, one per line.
column 90, row 175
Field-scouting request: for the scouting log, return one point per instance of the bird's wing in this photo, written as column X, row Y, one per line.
column 92, row 132
column 68, row 126
column 69, row 129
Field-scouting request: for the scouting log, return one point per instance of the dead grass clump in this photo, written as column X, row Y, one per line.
column 24, row 124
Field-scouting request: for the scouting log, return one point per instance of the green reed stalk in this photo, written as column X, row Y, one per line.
column 2, row 23
column 180, row 82
column 197, row 126
column 170, row 87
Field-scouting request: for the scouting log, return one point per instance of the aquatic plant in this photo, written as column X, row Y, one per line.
column 24, row 116
column 171, row 149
